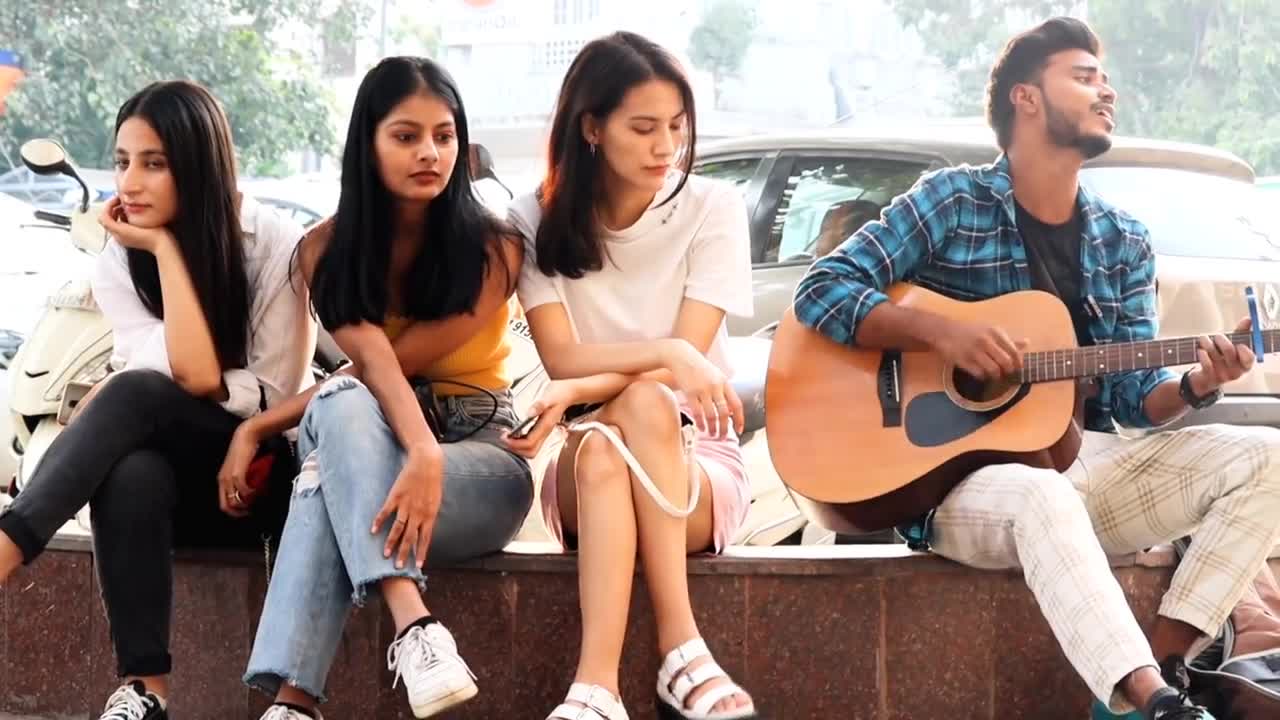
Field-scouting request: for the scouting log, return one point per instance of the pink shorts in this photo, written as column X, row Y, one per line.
column 719, row 458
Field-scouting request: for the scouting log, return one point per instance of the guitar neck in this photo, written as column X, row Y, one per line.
column 1096, row 360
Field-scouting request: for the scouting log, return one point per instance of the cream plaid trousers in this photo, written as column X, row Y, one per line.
column 1218, row 483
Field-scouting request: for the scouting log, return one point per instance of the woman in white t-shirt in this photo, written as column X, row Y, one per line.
column 630, row 266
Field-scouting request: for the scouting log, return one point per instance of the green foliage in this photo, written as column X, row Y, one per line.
column 84, row 58
column 1204, row 71
column 720, row 42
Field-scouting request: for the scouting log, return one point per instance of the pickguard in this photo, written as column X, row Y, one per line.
column 932, row 419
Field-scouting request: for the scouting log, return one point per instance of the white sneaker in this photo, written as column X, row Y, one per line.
column 435, row 677
column 282, row 712
column 133, row 702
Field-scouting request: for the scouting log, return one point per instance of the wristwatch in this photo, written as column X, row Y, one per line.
column 1189, row 397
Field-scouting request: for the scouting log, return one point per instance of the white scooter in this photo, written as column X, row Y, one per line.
column 69, row 348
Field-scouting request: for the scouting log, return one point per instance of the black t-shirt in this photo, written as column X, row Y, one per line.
column 1053, row 256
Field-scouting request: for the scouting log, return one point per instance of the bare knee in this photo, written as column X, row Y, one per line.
column 598, row 463
column 647, row 404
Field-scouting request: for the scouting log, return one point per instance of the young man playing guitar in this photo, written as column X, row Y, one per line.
column 972, row 233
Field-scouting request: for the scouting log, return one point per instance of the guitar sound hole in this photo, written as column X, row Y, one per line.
column 980, row 391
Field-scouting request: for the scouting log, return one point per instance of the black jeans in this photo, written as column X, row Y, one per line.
column 145, row 455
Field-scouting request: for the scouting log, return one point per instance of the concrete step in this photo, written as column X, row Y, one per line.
column 872, row 632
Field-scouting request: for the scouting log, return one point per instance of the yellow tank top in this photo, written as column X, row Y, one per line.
column 480, row 361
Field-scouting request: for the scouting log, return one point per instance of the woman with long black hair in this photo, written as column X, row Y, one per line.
column 403, row 456
column 208, row 328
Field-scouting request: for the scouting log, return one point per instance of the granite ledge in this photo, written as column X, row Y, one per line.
column 872, row 560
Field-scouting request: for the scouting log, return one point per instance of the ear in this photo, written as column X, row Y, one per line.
column 590, row 129
column 1025, row 97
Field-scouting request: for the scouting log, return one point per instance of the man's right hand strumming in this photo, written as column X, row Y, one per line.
column 984, row 351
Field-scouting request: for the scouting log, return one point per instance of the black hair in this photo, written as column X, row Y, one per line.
column 568, row 240
column 201, row 158
column 349, row 283
column 1023, row 60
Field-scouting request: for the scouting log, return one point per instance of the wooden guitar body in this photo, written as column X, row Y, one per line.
column 867, row 440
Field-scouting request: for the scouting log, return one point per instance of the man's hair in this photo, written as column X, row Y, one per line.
column 1023, row 60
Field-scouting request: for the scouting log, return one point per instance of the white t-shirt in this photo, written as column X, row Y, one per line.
column 697, row 245
column 282, row 331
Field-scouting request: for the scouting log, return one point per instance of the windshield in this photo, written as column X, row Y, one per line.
column 1192, row 214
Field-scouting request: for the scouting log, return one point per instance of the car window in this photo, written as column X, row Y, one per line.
column 1192, row 214
column 737, row 172
column 304, row 217
column 825, row 200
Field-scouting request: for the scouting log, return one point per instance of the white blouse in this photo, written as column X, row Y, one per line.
column 282, row 331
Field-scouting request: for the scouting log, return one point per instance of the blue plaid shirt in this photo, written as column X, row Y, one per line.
column 955, row 233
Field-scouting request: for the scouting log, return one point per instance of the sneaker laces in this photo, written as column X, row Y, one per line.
column 416, row 653
column 280, row 712
column 1186, row 711
column 125, row 704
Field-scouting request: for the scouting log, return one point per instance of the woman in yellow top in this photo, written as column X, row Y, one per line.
column 402, row 451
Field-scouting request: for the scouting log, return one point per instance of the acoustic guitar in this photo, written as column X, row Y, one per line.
column 869, row 439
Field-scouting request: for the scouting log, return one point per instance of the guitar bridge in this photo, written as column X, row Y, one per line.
column 889, row 388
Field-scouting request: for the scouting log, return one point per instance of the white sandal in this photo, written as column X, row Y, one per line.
column 597, row 704
column 676, row 683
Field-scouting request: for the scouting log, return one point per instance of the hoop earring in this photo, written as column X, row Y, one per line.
column 593, row 149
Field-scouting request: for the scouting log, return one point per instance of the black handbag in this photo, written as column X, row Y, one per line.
column 1244, row 687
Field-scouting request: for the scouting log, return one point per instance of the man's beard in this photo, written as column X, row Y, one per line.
column 1064, row 134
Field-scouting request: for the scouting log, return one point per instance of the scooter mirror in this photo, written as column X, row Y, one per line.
column 483, row 168
column 481, row 162
column 45, row 157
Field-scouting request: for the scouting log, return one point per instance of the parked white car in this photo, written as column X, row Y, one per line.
column 808, row 191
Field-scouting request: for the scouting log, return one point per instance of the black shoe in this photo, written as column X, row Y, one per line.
column 133, row 702
column 1172, row 704
column 1174, row 671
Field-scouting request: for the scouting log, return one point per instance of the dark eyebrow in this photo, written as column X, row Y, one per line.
column 122, row 151
column 446, row 125
column 650, row 118
column 406, row 121
column 1091, row 70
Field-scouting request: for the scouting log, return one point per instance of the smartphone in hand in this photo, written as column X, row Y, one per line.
column 522, row 430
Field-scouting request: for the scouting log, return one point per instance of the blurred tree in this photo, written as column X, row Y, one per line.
column 84, row 58
column 417, row 37
column 720, row 41
column 1205, row 71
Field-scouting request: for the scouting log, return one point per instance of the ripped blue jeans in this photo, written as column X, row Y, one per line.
column 328, row 559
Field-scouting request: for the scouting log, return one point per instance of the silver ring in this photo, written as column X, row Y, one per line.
column 722, row 404
column 235, row 497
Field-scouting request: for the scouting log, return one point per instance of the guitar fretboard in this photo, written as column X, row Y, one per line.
column 1098, row 360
